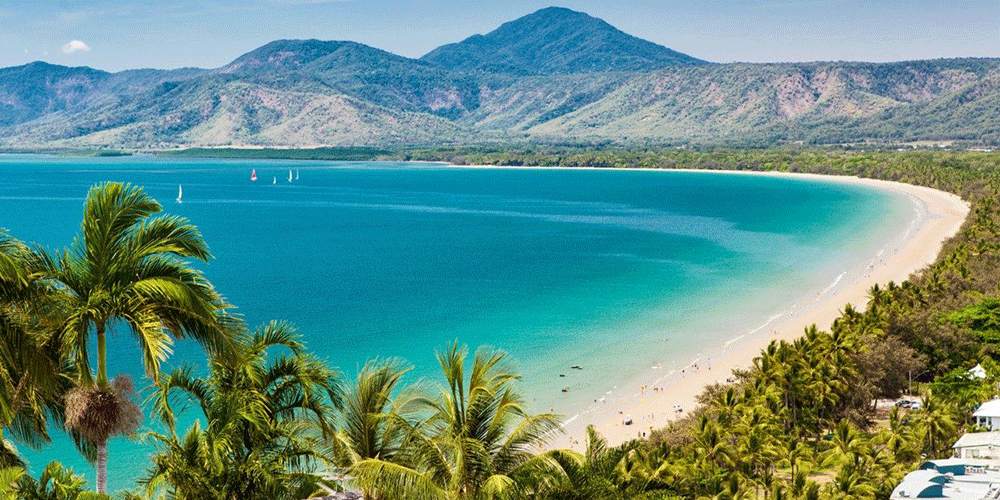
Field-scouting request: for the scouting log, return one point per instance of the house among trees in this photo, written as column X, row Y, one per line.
column 988, row 415
column 985, row 445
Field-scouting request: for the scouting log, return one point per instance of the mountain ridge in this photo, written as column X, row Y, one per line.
column 341, row 93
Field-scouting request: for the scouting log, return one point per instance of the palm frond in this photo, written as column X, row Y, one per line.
column 392, row 480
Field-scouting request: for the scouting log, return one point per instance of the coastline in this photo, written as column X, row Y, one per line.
column 939, row 217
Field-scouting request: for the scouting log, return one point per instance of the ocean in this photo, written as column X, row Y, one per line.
column 612, row 270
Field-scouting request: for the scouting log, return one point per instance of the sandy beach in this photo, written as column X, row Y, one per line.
column 652, row 400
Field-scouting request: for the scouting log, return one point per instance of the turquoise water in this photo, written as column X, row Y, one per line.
column 613, row 270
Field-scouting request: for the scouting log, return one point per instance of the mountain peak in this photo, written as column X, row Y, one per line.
column 556, row 40
column 315, row 56
column 284, row 55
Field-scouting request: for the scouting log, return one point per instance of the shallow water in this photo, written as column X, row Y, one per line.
column 612, row 270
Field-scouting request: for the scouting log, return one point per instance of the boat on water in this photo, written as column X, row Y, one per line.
column 180, row 193
column 253, row 175
column 289, row 175
column 274, row 180
column 296, row 174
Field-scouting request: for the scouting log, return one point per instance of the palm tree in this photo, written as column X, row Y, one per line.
column 937, row 427
column 266, row 419
column 479, row 442
column 898, row 438
column 376, row 421
column 613, row 472
column 34, row 373
column 9, row 477
column 127, row 266
column 56, row 482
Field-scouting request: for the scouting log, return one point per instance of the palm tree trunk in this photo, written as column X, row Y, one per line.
column 102, row 358
column 102, row 466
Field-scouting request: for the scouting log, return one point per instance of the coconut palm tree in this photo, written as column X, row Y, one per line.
column 266, row 418
column 937, row 427
column 378, row 419
column 479, row 442
column 613, row 472
column 128, row 267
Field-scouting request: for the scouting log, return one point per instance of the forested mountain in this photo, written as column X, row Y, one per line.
column 556, row 40
column 554, row 75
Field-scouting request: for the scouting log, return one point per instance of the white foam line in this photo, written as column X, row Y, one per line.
column 728, row 343
column 761, row 327
column 562, row 426
column 832, row 285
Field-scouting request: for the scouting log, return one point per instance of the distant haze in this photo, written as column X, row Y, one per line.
column 123, row 34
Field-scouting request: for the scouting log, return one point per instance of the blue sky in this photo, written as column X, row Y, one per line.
column 123, row 34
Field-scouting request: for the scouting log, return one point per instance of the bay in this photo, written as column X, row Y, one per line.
column 614, row 270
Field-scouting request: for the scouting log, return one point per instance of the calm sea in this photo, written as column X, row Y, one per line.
column 611, row 270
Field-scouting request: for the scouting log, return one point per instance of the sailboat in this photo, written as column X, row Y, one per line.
column 289, row 175
column 274, row 180
column 253, row 175
column 296, row 174
column 180, row 193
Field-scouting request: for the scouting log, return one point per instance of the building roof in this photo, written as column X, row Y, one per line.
column 928, row 475
column 988, row 409
column 983, row 485
column 978, row 439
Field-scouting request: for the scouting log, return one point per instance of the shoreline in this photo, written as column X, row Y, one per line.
column 939, row 217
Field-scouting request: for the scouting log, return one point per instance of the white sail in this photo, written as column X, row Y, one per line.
column 253, row 175
column 289, row 175
column 180, row 192
column 296, row 174
column 274, row 180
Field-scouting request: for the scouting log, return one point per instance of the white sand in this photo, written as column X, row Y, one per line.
column 942, row 214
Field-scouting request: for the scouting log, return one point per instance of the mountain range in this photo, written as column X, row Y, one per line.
column 556, row 75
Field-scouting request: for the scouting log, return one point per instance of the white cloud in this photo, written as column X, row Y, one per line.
column 75, row 46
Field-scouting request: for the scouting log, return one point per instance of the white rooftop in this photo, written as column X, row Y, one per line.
column 984, row 485
column 976, row 439
column 988, row 409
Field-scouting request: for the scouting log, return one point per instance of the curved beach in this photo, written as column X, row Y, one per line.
column 653, row 400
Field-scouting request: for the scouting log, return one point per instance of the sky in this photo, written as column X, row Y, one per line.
column 115, row 35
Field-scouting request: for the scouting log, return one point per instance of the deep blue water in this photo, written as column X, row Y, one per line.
column 555, row 266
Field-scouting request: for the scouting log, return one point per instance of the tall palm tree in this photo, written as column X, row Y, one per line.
column 266, row 418
column 479, row 441
column 128, row 267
